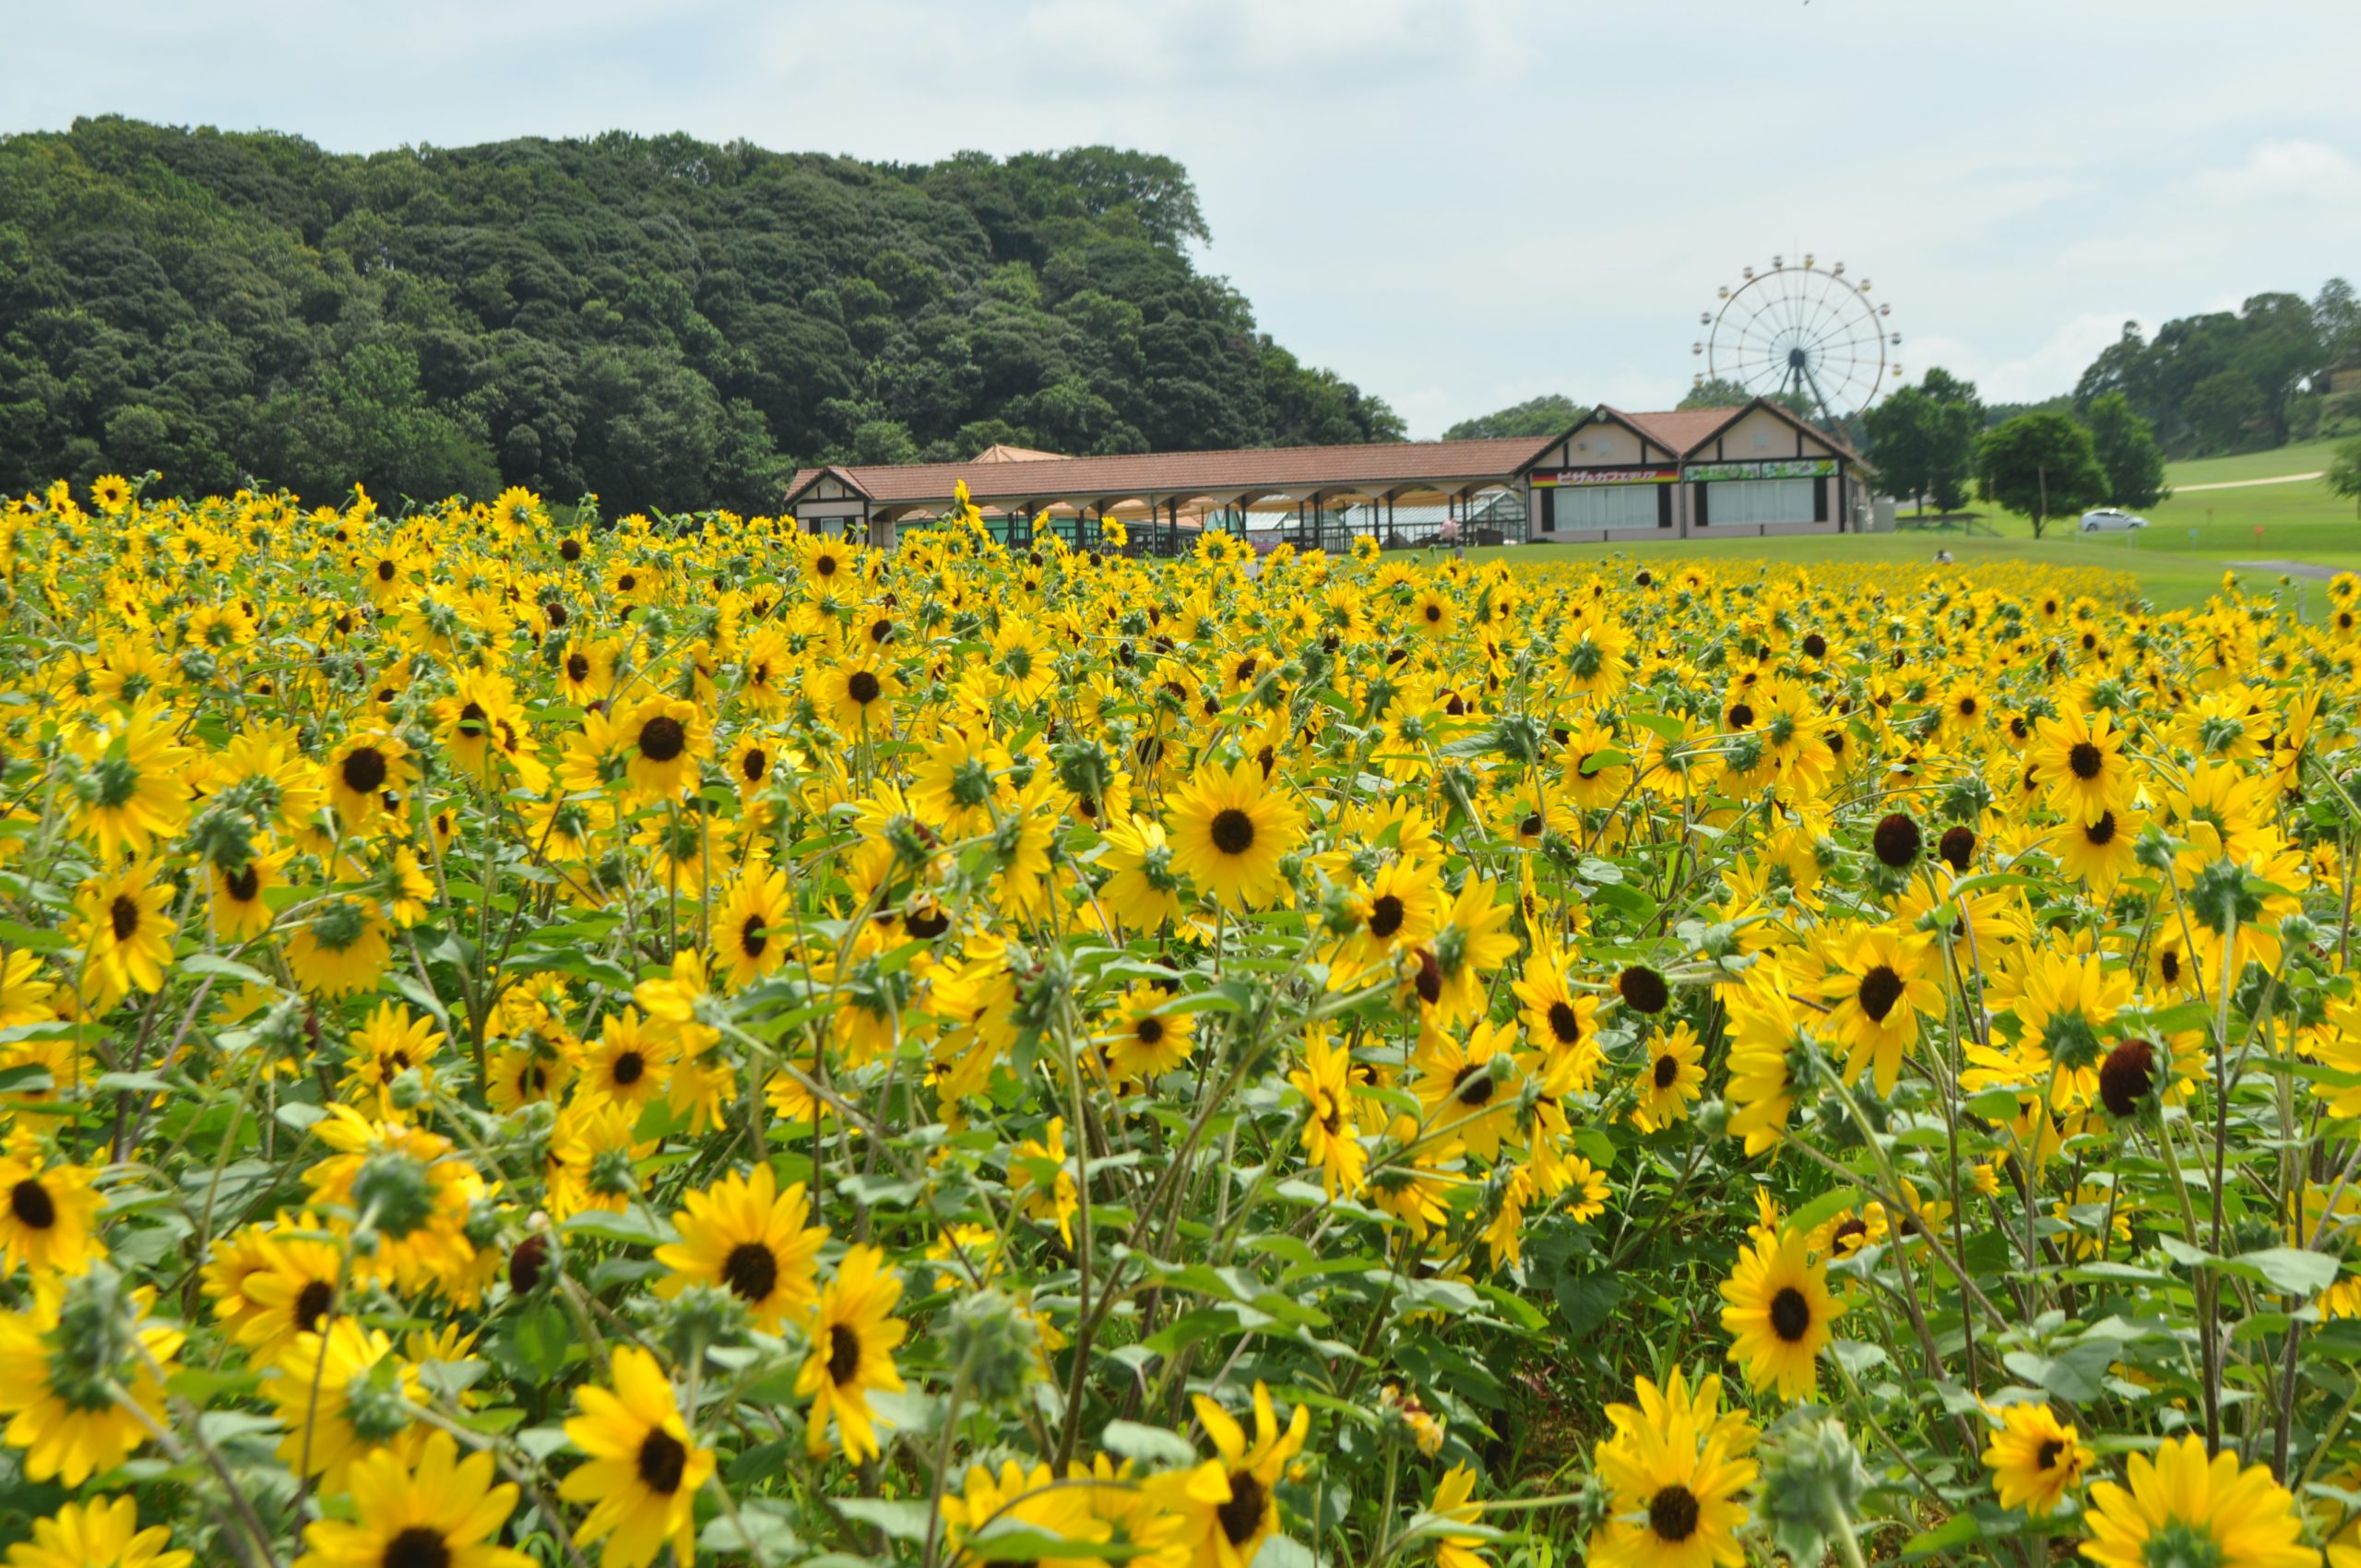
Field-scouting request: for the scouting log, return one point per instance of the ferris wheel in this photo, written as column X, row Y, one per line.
column 1808, row 331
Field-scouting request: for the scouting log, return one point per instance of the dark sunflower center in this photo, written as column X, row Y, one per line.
column 1233, row 831
column 243, row 883
column 2101, row 833
column 754, row 765
column 862, row 686
column 750, row 938
column 2127, row 1077
column 663, row 1461
column 1384, row 915
column 1148, row 1030
column 1672, row 1514
column 630, row 1067
column 386, row 571
column 1790, row 1315
column 33, row 1206
column 2168, row 966
column 1642, row 989
column 418, row 1545
column 1741, row 716
column 1881, row 989
column 1667, row 1069
column 525, row 1265
column 2084, row 759
column 577, row 666
column 1473, row 1085
column 844, row 1353
column 364, row 770
column 1242, row 1515
column 312, row 1303
column 1434, row 612
column 2047, row 1457
column 661, row 738
column 123, row 916
column 1531, row 826
column 1565, row 1024
column 571, row 550
column 751, row 1271
column 471, row 720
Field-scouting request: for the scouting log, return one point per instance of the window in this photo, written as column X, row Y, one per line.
column 1608, row 506
column 1738, row 502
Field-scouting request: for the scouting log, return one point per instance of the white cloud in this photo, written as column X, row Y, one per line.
column 2283, row 172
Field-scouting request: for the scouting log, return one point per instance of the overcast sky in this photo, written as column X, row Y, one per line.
column 1454, row 205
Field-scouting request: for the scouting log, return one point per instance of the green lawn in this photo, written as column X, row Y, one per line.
column 2309, row 458
column 2176, row 568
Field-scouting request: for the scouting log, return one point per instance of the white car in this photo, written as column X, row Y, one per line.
column 2109, row 518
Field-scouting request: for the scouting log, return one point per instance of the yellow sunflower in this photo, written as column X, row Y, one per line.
column 1230, row 831
column 645, row 1470
column 2187, row 1506
column 2034, row 1458
column 1224, row 1509
column 101, row 1533
column 46, row 1226
column 745, row 1235
column 1778, row 1315
column 853, row 1336
column 437, row 1514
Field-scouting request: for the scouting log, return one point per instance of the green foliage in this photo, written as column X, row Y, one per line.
column 1720, row 392
column 1548, row 414
column 657, row 320
column 2345, row 473
column 1923, row 439
column 2041, row 465
column 2228, row 380
column 2128, row 451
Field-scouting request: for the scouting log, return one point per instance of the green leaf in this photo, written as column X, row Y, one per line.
column 1824, row 1209
column 2290, row 1270
column 900, row 1520
column 1149, row 1445
column 1586, row 1300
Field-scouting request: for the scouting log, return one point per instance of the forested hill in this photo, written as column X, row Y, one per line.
column 661, row 321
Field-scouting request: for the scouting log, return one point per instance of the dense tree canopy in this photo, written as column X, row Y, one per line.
column 660, row 320
column 2229, row 379
column 1548, row 414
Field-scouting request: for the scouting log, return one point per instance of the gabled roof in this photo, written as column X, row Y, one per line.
column 1685, row 432
column 1001, row 452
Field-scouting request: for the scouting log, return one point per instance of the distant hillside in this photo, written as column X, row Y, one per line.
column 660, row 320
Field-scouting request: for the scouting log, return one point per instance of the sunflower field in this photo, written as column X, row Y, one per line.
column 533, row 1040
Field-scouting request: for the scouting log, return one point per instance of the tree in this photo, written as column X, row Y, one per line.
column 2127, row 447
column 1923, row 439
column 1720, row 392
column 1549, row 414
column 2344, row 473
column 2041, row 465
column 2221, row 408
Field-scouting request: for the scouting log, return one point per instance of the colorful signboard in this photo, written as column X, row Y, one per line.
column 1790, row 467
column 1569, row 478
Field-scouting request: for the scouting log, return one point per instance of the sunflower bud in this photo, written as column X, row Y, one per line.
column 995, row 1345
column 1812, row 1481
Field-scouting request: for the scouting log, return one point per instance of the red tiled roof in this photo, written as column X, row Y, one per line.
column 1389, row 465
column 1187, row 473
column 1678, row 431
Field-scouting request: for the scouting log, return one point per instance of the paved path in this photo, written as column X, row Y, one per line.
column 2243, row 483
column 2291, row 568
